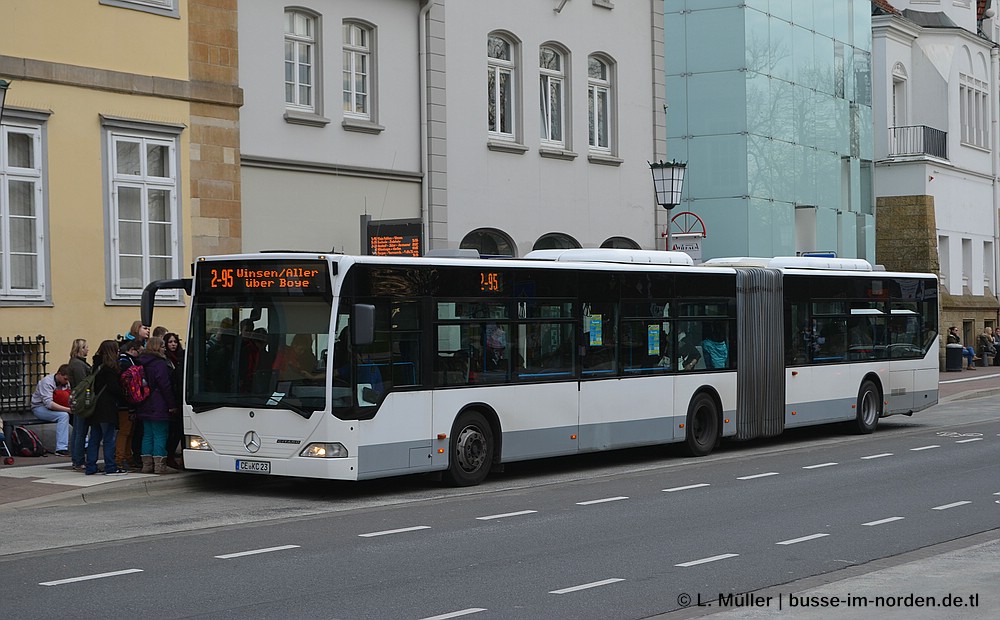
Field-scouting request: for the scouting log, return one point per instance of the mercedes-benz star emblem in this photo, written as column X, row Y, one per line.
column 251, row 441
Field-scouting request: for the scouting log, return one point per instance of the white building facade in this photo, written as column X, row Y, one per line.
column 501, row 126
column 935, row 75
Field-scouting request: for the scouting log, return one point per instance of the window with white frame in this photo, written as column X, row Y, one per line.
column 552, row 77
column 600, row 104
column 167, row 8
column 144, row 211
column 973, row 96
column 22, row 254
column 301, row 52
column 358, row 68
column 500, row 85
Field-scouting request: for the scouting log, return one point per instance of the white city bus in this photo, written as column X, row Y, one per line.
column 359, row 367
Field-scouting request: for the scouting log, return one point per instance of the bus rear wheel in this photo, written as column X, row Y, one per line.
column 471, row 450
column 869, row 408
column 702, row 425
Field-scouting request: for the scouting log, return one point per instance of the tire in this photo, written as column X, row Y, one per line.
column 869, row 409
column 702, row 427
column 470, row 450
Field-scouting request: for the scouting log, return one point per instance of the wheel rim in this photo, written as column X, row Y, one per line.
column 470, row 449
column 869, row 408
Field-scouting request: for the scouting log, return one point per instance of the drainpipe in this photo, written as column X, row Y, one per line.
column 994, row 135
column 424, row 80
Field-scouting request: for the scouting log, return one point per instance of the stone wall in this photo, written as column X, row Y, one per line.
column 216, row 213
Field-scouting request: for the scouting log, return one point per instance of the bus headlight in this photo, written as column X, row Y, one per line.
column 325, row 451
column 196, row 442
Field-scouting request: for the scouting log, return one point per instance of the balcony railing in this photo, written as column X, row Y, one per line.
column 918, row 140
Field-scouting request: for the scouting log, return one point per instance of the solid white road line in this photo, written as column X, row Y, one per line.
column 803, row 539
column 947, row 506
column 508, row 514
column 770, row 473
column 881, row 521
column 968, row 440
column 714, row 558
column 255, row 552
column 585, row 586
column 601, row 501
column 456, row 614
column 60, row 582
column 690, row 486
column 820, row 465
column 876, row 456
column 923, row 448
column 399, row 531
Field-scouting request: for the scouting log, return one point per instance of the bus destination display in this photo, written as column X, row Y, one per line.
column 280, row 277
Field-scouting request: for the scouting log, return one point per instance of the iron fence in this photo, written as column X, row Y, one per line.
column 22, row 366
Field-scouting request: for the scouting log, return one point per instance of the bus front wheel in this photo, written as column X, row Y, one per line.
column 869, row 408
column 702, row 428
column 471, row 450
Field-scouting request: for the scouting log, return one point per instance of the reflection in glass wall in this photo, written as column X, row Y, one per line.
column 770, row 103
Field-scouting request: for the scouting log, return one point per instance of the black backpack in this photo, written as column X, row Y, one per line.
column 27, row 442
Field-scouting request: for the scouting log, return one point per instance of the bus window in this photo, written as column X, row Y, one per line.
column 599, row 339
column 547, row 350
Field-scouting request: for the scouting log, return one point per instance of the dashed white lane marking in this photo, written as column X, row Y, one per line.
column 765, row 475
column 820, row 465
column 924, row 448
column 507, row 514
column 601, row 501
column 881, row 521
column 586, row 586
column 456, row 614
column 399, row 531
column 690, row 486
column 714, row 558
column 255, row 552
column 952, row 505
column 968, row 440
column 116, row 573
column 876, row 456
column 803, row 539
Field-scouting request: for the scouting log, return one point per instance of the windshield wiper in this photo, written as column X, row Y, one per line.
column 267, row 402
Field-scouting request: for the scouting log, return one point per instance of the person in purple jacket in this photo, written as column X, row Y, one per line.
column 156, row 410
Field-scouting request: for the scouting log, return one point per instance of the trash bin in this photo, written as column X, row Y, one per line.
column 953, row 358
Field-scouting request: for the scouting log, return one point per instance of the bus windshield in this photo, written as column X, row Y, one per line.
column 261, row 351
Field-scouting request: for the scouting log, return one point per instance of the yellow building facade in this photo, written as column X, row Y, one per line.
column 120, row 141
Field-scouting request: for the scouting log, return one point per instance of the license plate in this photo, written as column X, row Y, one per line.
column 253, row 467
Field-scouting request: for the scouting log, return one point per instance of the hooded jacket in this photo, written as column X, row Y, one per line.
column 161, row 397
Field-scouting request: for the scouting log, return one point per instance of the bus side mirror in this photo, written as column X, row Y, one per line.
column 363, row 324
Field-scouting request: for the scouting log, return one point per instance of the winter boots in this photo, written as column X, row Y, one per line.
column 147, row 464
column 159, row 467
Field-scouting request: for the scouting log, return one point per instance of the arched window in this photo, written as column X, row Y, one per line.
column 556, row 241
column 500, row 86
column 489, row 241
column 301, row 54
column 622, row 243
column 359, row 68
column 600, row 103
column 552, row 92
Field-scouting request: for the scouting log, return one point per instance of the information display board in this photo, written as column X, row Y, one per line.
column 394, row 238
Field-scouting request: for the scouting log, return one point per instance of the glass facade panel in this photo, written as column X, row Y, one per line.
column 720, row 110
column 782, row 63
column 724, row 49
column 722, row 169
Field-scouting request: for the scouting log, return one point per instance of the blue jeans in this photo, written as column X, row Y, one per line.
column 969, row 354
column 78, row 440
column 102, row 433
column 154, row 437
column 61, row 418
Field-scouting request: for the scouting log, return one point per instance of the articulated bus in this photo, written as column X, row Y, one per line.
column 359, row 367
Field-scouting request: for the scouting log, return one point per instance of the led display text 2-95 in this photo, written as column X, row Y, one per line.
column 235, row 278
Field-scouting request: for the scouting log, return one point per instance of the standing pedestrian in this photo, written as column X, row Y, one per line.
column 103, row 423
column 79, row 368
column 156, row 410
column 175, row 357
column 128, row 355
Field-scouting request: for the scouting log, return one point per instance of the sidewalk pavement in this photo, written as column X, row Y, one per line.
column 963, row 567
